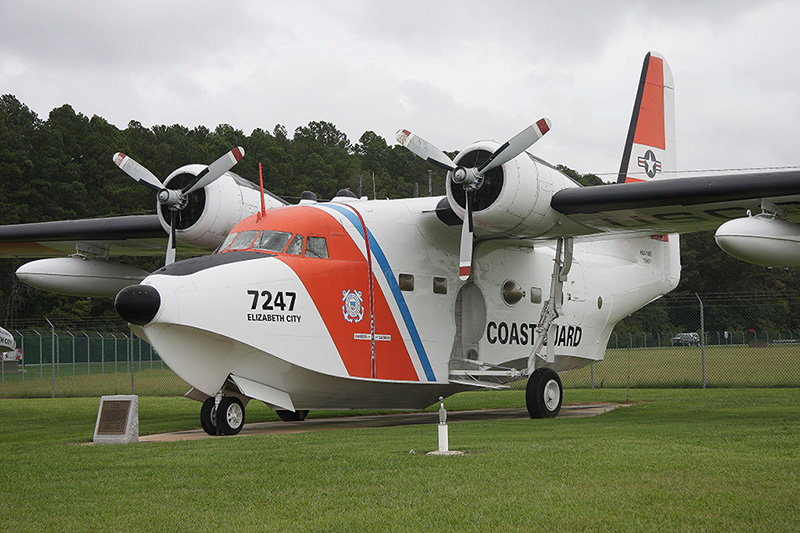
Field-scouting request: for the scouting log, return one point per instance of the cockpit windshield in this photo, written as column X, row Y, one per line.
column 276, row 242
column 272, row 241
column 243, row 240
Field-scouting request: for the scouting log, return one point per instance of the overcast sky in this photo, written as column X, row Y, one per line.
column 451, row 71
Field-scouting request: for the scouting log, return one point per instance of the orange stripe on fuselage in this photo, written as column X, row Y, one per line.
column 650, row 126
column 327, row 279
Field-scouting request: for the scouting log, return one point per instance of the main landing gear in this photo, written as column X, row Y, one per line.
column 544, row 393
column 223, row 417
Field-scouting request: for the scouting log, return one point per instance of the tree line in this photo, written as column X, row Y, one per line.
column 60, row 168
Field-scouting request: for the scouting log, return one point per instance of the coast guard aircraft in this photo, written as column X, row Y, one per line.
column 517, row 273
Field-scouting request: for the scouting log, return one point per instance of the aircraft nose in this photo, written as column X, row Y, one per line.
column 138, row 304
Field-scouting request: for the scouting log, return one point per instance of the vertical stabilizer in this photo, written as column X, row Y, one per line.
column 650, row 147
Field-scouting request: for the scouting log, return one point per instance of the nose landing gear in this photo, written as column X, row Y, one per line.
column 222, row 416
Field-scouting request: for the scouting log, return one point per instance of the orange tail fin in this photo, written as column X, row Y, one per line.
column 650, row 148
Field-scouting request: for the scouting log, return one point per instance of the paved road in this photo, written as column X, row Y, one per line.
column 373, row 421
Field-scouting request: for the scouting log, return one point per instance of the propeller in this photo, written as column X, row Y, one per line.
column 176, row 200
column 471, row 179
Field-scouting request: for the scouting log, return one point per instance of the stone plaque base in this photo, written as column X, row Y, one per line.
column 117, row 420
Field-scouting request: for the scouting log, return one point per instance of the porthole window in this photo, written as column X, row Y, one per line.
column 512, row 292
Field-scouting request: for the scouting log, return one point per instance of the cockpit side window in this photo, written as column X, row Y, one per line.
column 296, row 246
column 317, row 247
column 243, row 240
column 228, row 240
column 272, row 241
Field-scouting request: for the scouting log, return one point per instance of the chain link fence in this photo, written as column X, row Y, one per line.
column 743, row 340
column 711, row 340
column 102, row 357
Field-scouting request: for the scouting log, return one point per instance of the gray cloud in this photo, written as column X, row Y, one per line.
column 454, row 71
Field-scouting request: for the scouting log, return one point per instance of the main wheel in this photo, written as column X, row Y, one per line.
column 230, row 415
column 292, row 416
column 208, row 416
column 544, row 393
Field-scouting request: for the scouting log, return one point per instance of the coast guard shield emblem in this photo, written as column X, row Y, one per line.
column 352, row 309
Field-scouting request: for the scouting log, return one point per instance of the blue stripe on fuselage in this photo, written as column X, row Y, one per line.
column 383, row 263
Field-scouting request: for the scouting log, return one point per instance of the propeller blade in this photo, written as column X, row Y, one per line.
column 465, row 255
column 422, row 148
column 137, row 171
column 215, row 170
column 518, row 144
column 171, row 243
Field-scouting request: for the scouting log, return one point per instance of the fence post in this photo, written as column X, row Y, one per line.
column 115, row 352
column 88, row 355
column 53, row 357
column 130, row 358
column 40, row 353
column 73, row 351
column 102, row 353
column 702, row 338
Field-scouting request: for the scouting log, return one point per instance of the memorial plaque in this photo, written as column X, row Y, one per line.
column 113, row 417
column 117, row 420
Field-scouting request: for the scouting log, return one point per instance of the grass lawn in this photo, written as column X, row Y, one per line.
column 714, row 460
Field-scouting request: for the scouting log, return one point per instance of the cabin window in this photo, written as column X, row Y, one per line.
column 536, row 295
column 296, row 245
column 406, row 282
column 243, row 240
column 228, row 240
column 273, row 241
column 317, row 247
column 439, row 285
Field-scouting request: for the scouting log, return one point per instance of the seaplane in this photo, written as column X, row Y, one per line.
column 517, row 273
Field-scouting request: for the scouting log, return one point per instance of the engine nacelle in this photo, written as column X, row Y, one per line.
column 761, row 240
column 514, row 198
column 79, row 276
column 212, row 211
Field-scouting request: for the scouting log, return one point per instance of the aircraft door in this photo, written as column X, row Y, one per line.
column 470, row 317
column 574, row 294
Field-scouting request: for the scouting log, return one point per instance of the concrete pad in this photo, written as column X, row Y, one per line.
column 375, row 421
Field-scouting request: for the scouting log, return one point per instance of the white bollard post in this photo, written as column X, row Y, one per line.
column 444, row 441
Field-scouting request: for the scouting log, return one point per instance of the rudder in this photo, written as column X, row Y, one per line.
column 650, row 146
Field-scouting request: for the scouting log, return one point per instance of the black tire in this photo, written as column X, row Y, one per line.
column 544, row 393
column 292, row 416
column 230, row 415
column 208, row 417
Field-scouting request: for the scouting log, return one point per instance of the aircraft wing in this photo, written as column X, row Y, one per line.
column 678, row 205
column 134, row 235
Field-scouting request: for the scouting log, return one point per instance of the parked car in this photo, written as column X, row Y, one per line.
column 686, row 339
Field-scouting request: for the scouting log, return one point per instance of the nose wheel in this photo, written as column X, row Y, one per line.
column 227, row 418
column 544, row 393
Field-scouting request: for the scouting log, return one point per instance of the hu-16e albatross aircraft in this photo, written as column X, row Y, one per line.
column 518, row 273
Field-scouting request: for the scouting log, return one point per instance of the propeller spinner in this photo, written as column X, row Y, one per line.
column 176, row 200
column 471, row 179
